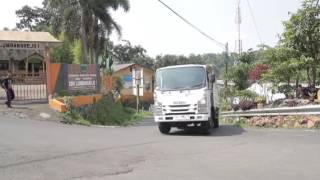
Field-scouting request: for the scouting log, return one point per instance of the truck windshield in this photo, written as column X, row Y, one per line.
column 181, row 78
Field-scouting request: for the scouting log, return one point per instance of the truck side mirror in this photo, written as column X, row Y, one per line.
column 213, row 78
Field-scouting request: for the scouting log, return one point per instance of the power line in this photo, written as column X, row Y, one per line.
column 254, row 22
column 225, row 46
column 193, row 26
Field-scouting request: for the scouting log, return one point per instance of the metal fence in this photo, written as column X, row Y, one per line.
column 28, row 87
column 303, row 110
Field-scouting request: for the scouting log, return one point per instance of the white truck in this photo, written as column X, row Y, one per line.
column 186, row 95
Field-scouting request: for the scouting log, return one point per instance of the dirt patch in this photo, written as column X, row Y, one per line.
column 34, row 111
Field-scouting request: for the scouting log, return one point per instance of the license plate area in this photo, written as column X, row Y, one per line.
column 182, row 117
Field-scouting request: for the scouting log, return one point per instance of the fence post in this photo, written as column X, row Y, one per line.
column 47, row 60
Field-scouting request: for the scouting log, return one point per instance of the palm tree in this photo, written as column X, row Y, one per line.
column 89, row 20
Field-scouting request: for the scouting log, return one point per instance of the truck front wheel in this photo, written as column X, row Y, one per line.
column 216, row 123
column 164, row 128
column 206, row 127
column 215, row 117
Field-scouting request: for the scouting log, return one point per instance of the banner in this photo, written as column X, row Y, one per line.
column 82, row 77
column 21, row 46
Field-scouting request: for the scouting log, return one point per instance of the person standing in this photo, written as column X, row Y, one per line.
column 6, row 84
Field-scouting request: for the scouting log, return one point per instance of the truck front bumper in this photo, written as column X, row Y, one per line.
column 182, row 118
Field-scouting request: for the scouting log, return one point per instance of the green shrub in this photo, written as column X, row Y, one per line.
column 118, row 83
column 287, row 90
column 74, row 117
column 105, row 112
column 224, row 105
column 131, row 102
column 63, row 93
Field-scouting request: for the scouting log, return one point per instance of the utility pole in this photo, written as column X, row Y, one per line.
column 238, row 22
column 138, row 77
column 138, row 93
column 226, row 72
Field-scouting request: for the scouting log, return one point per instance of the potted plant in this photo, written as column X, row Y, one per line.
column 260, row 102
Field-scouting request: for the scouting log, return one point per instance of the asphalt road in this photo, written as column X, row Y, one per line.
column 41, row 150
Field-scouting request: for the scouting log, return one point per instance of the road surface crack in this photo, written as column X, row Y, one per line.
column 116, row 173
column 73, row 154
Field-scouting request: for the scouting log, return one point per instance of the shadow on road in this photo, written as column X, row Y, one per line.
column 223, row 130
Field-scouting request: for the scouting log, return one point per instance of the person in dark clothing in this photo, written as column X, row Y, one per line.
column 6, row 84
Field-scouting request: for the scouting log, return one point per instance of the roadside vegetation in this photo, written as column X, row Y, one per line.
column 105, row 112
column 85, row 34
column 291, row 67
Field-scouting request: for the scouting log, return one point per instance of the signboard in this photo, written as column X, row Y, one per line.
column 21, row 45
column 82, row 77
column 137, row 77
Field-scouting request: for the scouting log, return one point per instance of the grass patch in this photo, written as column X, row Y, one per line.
column 105, row 112
column 73, row 117
column 137, row 117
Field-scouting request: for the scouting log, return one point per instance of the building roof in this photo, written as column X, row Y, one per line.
column 118, row 67
column 25, row 36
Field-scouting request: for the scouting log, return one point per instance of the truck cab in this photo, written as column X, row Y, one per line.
column 184, row 96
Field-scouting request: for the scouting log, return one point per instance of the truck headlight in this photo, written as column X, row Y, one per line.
column 157, row 108
column 203, row 106
column 203, row 101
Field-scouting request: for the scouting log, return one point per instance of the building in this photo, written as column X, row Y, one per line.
column 22, row 62
column 126, row 72
column 23, row 52
column 27, row 56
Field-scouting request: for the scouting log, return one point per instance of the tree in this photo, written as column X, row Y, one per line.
column 302, row 33
column 170, row 60
column 248, row 57
column 239, row 76
column 88, row 20
column 285, row 65
column 127, row 53
column 280, row 59
column 33, row 19
column 63, row 53
column 146, row 61
column 256, row 73
column 219, row 62
column 130, row 54
column 96, row 21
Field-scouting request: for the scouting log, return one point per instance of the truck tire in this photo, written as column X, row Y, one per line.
column 215, row 117
column 216, row 122
column 206, row 127
column 164, row 128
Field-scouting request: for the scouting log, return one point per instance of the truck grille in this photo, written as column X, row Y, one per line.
column 179, row 106
column 180, row 109
column 169, row 114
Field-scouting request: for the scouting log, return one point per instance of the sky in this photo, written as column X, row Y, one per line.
column 159, row 31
